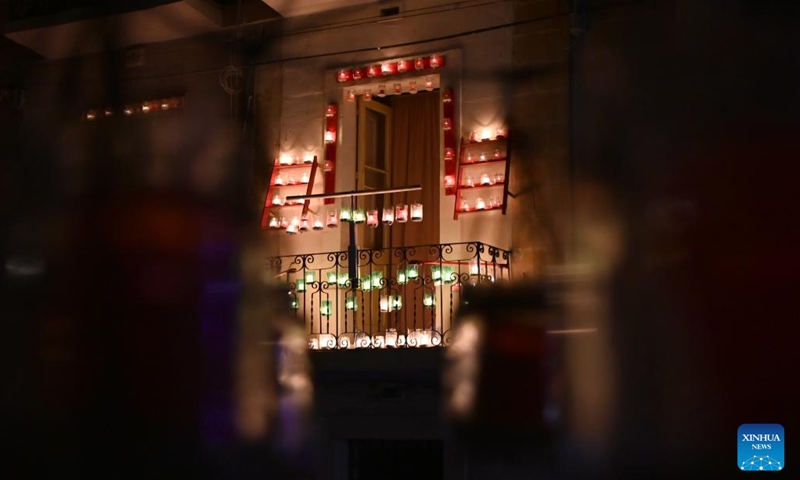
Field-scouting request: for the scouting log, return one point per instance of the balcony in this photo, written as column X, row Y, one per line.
column 403, row 297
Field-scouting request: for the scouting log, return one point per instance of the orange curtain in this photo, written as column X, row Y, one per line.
column 415, row 160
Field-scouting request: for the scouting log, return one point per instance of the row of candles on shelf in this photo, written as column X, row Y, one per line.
column 480, row 204
column 390, row 68
column 485, row 134
column 291, row 179
column 285, row 160
column 399, row 213
column 482, row 157
column 397, row 89
column 418, row 337
column 145, row 107
column 375, row 281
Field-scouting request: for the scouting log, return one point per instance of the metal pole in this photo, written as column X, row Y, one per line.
column 352, row 249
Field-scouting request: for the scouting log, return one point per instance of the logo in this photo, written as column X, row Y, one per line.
column 760, row 447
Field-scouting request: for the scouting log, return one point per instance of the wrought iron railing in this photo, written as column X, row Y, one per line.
column 400, row 297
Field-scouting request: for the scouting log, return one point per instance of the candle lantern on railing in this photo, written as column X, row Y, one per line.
column 332, row 220
column 480, row 204
column 391, row 337
column 436, row 272
column 429, row 300
column 416, row 212
column 376, row 279
column 372, row 218
column 325, row 308
column 412, row 272
column 485, row 179
column 359, row 216
column 293, row 226
column 310, row 277
column 388, row 215
column 317, row 223
column 397, row 302
column 304, row 224
column 345, row 214
column 331, row 276
column 384, row 304
column 293, row 303
column 350, row 304
column 401, row 213
column 343, row 279
column 366, row 283
column 300, row 285
column 401, row 276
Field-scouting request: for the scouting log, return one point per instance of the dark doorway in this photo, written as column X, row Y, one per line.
column 395, row 460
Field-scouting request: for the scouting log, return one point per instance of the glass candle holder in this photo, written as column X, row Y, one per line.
column 300, row 285
column 304, row 224
column 372, row 218
column 412, row 86
column 482, row 157
column 331, row 219
column 448, row 274
column 397, row 302
column 419, row 63
column 359, row 216
column 468, row 182
column 403, row 66
column 429, row 83
column 447, row 124
column 388, row 215
column 330, row 111
column 331, row 278
column 494, row 202
column 309, row 158
column 343, row 75
column 278, row 180
column 350, row 304
column 284, row 222
column 480, row 204
column 398, row 88
column 351, row 95
column 345, row 215
column 330, row 136
column 436, row 272
column 485, row 179
column 376, row 279
column 496, row 154
column 401, row 276
column 325, row 308
column 285, row 160
column 365, row 283
column 464, row 207
column 293, row 303
column 499, row 177
column 416, row 212
column 317, row 223
column 381, row 90
column 304, row 178
column 449, row 153
column 412, row 271
column 274, row 222
column 429, row 300
column 367, row 94
column 277, row 200
column 310, row 276
column 469, row 158
column 291, row 180
column 449, row 181
column 435, row 61
column 401, row 213
column 344, row 278
column 384, row 303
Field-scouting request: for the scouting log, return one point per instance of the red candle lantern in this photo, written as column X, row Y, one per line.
column 419, row 63
column 447, row 124
column 401, row 213
column 449, row 153
column 374, row 71
column 449, row 181
column 398, row 88
column 330, row 110
column 343, row 75
column 403, row 66
column 372, row 218
column 447, row 96
column 436, row 61
column 358, row 74
column 389, row 68
column 351, row 95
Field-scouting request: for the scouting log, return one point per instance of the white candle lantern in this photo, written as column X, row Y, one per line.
column 304, row 178
column 401, row 213
column 449, row 181
column 412, row 272
column 304, row 224
column 416, row 212
column 429, row 300
column 384, row 303
column 350, row 304
column 397, row 302
column 332, row 220
column 388, row 216
column 486, row 179
column 274, row 222
column 366, row 283
column 343, row 279
column 278, row 179
column 480, row 204
column 331, row 276
column 317, row 224
column 391, row 337
column 412, row 86
column 330, row 136
column 486, row 134
column 482, row 157
column 401, row 276
column 464, row 206
column 310, row 277
column 468, row 182
column 372, row 218
column 277, row 200
column 300, row 285
column 325, row 308
column 359, row 216
column 351, row 95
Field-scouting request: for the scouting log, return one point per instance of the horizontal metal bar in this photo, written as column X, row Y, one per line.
column 357, row 193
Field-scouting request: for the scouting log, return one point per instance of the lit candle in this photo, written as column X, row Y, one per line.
column 274, row 222
column 485, row 134
column 294, row 304
column 473, row 137
column 344, row 214
column 285, row 160
column 374, row 71
column 330, row 110
column 397, row 302
column 350, row 304
column 403, row 66
column 391, row 337
column 499, row 177
column 367, row 94
column 359, row 216
column 429, row 83
column 309, row 158
column 436, row 272
column 500, row 132
column 449, row 181
column 351, row 95
column 412, row 86
column 365, row 283
column 291, row 180
column 485, row 180
column 464, row 206
column 300, row 285
column 128, row 111
column 330, row 136
column 401, row 213
column 372, row 218
column 343, row 279
column 447, row 124
column 317, row 223
column 480, row 204
column 388, row 216
column 435, row 61
column 398, row 88
column 304, row 178
column 419, row 63
column 303, row 224
column 331, row 276
column 381, row 90
column 449, row 153
column 497, row 154
column 416, row 212
column 343, row 75
column 384, row 303
column 483, row 157
column 311, row 277
column 332, row 220
column 401, row 276
column 468, row 181
column 91, row 115
column 325, row 308
column 145, row 107
column 494, row 202
column 447, row 96
column 277, row 200
column 278, row 180
column 358, row 74
column 284, row 222
column 412, row 271
column 388, row 68
column 429, row 300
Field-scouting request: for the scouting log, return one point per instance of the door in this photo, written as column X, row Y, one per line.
column 373, row 165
